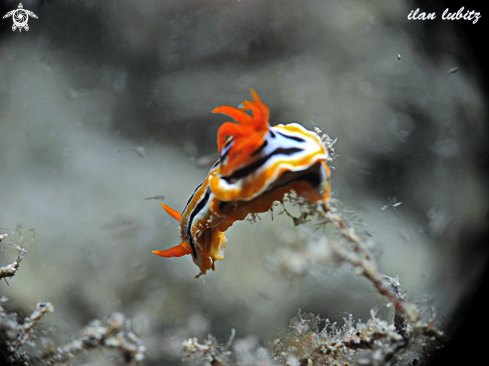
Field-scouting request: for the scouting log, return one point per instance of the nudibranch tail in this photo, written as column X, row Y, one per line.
column 176, row 251
column 247, row 134
column 172, row 212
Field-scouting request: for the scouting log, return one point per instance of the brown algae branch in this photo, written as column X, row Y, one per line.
column 363, row 261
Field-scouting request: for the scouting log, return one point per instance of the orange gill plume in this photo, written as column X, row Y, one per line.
column 247, row 134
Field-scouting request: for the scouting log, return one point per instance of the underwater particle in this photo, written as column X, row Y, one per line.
column 453, row 70
column 160, row 197
column 141, row 151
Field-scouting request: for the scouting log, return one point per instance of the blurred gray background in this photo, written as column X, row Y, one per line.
column 106, row 103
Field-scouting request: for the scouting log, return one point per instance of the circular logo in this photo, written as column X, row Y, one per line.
column 20, row 17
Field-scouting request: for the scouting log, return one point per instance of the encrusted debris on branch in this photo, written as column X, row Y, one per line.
column 11, row 269
column 113, row 332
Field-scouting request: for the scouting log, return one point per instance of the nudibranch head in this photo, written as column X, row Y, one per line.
column 246, row 135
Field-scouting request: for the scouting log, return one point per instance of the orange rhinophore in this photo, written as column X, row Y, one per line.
column 258, row 164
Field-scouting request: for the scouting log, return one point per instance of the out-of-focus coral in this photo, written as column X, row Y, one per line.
column 210, row 351
column 375, row 342
column 244, row 352
column 11, row 349
column 113, row 332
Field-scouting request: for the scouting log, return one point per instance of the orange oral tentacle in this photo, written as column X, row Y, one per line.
column 176, row 251
column 172, row 212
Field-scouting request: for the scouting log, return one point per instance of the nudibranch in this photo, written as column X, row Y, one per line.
column 258, row 164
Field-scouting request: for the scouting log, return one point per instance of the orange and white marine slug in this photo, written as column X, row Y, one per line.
column 258, row 164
